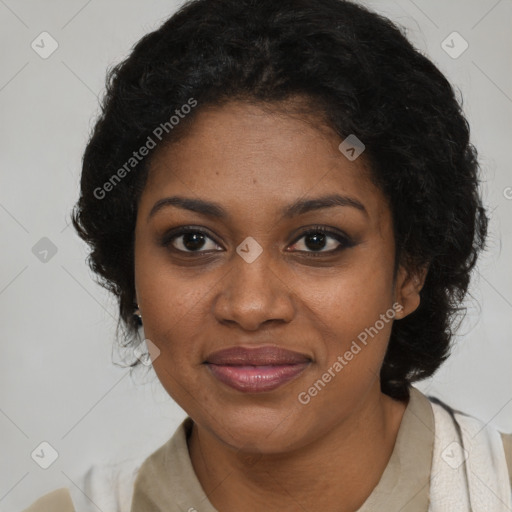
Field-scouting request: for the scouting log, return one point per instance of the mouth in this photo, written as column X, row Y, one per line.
column 253, row 370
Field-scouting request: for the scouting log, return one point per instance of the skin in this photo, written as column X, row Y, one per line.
column 267, row 451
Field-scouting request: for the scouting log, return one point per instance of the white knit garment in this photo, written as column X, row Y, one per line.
column 471, row 476
column 106, row 487
column 109, row 487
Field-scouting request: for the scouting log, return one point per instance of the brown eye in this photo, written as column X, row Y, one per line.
column 321, row 241
column 190, row 240
column 193, row 241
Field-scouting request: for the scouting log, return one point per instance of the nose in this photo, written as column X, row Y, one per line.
column 252, row 294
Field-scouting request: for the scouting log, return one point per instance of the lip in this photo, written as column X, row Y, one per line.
column 256, row 356
column 257, row 369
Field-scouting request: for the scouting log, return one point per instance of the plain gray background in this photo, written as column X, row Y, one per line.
column 58, row 383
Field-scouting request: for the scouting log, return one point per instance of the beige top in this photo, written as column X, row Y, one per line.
column 167, row 482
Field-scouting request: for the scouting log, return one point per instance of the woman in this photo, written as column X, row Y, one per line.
column 285, row 196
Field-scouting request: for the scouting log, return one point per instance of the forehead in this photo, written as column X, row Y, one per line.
column 258, row 157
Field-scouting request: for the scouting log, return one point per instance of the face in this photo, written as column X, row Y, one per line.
column 271, row 263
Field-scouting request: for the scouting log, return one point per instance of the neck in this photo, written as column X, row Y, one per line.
column 336, row 472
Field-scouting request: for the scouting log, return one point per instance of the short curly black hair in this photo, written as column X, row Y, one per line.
column 362, row 76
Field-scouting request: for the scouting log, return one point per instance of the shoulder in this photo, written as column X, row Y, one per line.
column 110, row 486
column 469, row 466
column 475, row 433
column 171, row 459
column 166, row 479
column 107, row 486
column 56, row 501
column 507, row 445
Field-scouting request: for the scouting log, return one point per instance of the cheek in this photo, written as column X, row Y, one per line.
column 175, row 322
column 355, row 307
column 172, row 319
column 173, row 306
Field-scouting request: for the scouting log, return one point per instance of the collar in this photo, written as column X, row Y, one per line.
column 167, row 482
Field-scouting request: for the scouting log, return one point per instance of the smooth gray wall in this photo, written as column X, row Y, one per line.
column 58, row 383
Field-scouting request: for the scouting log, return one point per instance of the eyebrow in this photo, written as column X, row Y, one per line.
column 300, row 207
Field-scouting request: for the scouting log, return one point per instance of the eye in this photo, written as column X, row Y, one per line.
column 190, row 240
column 321, row 240
column 317, row 241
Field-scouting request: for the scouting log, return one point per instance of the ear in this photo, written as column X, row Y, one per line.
column 408, row 285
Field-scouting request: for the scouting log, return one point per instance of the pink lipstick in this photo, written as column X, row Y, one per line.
column 258, row 369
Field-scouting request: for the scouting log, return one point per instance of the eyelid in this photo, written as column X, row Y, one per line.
column 341, row 237
column 329, row 231
column 169, row 236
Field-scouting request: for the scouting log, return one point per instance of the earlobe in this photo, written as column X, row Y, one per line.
column 399, row 310
column 408, row 288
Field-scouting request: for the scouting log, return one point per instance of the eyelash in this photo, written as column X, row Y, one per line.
column 344, row 241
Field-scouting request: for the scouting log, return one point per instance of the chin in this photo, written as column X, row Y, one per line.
column 258, row 430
